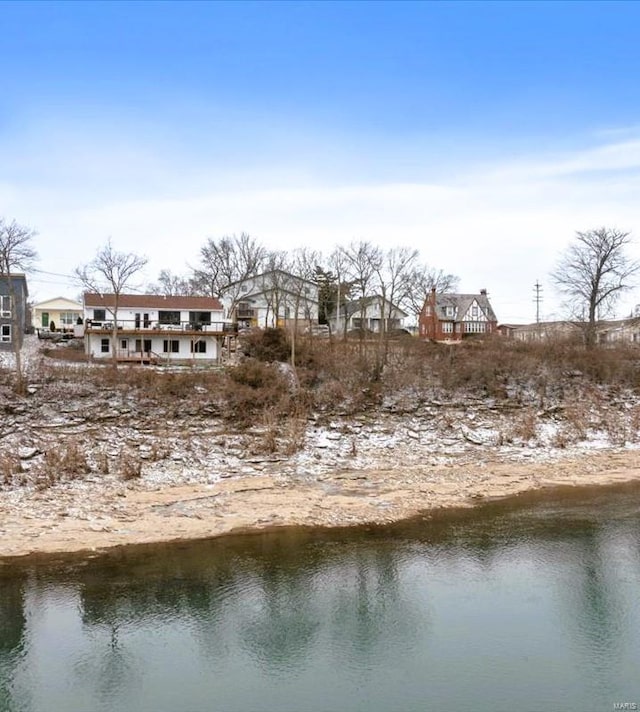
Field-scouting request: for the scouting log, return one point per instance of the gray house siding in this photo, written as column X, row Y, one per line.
column 8, row 336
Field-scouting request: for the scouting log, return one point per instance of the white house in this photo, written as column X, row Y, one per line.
column 368, row 313
column 153, row 328
column 60, row 312
column 274, row 298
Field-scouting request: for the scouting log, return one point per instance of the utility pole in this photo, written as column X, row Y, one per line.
column 537, row 288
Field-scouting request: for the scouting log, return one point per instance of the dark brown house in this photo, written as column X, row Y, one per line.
column 454, row 317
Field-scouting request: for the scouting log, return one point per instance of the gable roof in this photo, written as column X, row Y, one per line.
column 151, row 301
column 69, row 303
column 461, row 304
column 356, row 305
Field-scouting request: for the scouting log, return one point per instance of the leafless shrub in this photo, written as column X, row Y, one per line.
column 254, row 389
column 618, row 427
column 563, row 437
column 10, row 468
column 577, row 417
column 130, row 467
column 523, row 428
column 270, row 433
column 102, row 463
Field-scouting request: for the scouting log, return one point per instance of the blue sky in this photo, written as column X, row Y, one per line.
column 484, row 134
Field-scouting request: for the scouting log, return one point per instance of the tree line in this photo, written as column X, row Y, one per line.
column 359, row 270
column 591, row 273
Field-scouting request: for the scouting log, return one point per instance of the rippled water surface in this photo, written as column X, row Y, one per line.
column 532, row 605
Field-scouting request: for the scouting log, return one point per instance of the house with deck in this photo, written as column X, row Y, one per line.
column 153, row 328
column 450, row 318
column 272, row 299
column 60, row 313
column 14, row 314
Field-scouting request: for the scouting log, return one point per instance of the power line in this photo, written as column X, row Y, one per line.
column 56, row 274
column 537, row 288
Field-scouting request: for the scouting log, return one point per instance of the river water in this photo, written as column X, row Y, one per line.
column 528, row 605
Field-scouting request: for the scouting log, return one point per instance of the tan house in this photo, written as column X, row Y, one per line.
column 61, row 313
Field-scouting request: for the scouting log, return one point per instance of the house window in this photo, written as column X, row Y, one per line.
column 67, row 318
column 474, row 311
column 171, row 346
column 448, row 311
column 104, row 346
column 198, row 319
column 5, row 306
column 198, row 347
column 99, row 314
column 5, row 334
column 169, row 317
column 475, row 327
column 447, row 327
column 427, row 310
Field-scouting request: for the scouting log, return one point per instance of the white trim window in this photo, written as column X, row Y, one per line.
column 5, row 334
column 447, row 327
column 5, row 306
column 67, row 318
column 475, row 327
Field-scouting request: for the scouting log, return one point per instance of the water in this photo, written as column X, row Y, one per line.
column 531, row 605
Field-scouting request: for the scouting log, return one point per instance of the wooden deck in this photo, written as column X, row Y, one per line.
column 143, row 358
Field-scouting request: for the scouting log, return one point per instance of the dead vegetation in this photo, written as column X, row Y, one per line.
column 550, row 393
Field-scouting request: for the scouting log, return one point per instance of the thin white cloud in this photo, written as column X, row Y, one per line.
column 499, row 226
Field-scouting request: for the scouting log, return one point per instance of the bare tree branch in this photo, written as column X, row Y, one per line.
column 227, row 260
column 422, row 280
column 113, row 270
column 592, row 274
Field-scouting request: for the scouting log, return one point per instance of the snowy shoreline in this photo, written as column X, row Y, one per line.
column 85, row 467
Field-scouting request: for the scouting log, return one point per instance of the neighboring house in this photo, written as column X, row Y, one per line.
column 13, row 312
column 63, row 313
column 272, row 299
column 453, row 317
column 154, row 328
column 367, row 313
column 618, row 331
column 540, row 331
column 622, row 331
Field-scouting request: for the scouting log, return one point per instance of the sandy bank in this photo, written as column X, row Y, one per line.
column 80, row 517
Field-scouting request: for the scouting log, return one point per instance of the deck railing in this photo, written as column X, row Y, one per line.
column 133, row 325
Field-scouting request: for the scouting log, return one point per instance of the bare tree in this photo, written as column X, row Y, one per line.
column 338, row 263
column 303, row 265
column 171, row 285
column 226, row 261
column 593, row 272
column 393, row 274
column 275, row 283
column 16, row 253
column 423, row 280
column 113, row 270
column 363, row 260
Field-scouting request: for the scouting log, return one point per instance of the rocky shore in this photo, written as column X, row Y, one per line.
column 176, row 500
column 84, row 467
